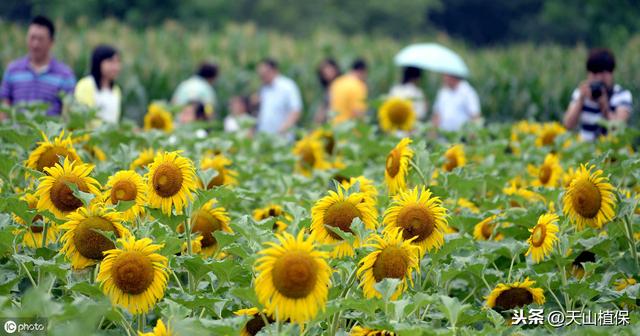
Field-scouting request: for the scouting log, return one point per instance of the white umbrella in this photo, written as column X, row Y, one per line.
column 434, row 57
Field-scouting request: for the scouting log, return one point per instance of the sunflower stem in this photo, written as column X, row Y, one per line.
column 632, row 240
column 187, row 230
column 511, row 266
column 45, row 228
column 33, row 282
column 419, row 171
column 336, row 316
column 175, row 276
column 557, row 300
column 567, row 300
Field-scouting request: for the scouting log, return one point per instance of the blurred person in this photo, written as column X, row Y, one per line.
column 198, row 89
column 348, row 93
column 279, row 100
column 99, row 89
column 328, row 71
column 456, row 104
column 239, row 107
column 409, row 89
column 37, row 77
column 598, row 97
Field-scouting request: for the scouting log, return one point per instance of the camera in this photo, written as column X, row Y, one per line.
column 596, row 89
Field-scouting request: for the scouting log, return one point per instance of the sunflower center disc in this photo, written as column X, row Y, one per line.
column 340, row 215
column 91, row 243
column 548, row 138
column 307, row 156
column 393, row 163
column 538, row 235
column 416, row 220
column 256, row 324
column 218, row 180
column 544, row 174
column 157, row 122
column 167, row 179
column 294, row 274
column 132, row 272
column 452, row 161
column 391, row 263
column 329, row 144
column 62, row 196
column 586, row 198
column 514, row 297
column 205, row 224
column 50, row 157
column 123, row 190
column 487, row 230
column 398, row 114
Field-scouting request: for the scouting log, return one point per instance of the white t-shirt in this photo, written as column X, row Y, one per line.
column 108, row 104
column 277, row 101
column 413, row 93
column 456, row 106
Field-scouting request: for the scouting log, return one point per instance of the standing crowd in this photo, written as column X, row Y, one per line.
column 39, row 77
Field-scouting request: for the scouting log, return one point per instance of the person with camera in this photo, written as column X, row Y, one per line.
column 598, row 98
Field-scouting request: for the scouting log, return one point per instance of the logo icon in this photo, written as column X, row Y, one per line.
column 10, row 327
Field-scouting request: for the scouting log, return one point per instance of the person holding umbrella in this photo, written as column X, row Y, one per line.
column 456, row 102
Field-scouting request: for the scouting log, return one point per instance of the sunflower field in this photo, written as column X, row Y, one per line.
column 351, row 230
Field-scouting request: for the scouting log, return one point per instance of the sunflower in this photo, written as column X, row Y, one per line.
column 397, row 166
column 464, row 203
column 454, row 157
column 205, row 221
column 327, row 138
column 517, row 188
column 170, row 181
column 273, row 211
column 418, row 214
column 484, row 229
column 143, row 160
column 196, row 245
column 47, row 153
column 54, row 194
column 396, row 114
column 158, row 118
column 548, row 132
column 293, row 278
column 338, row 210
column 568, row 176
column 589, row 199
column 127, row 185
column 577, row 269
column 311, row 155
column 82, row 242
column 225, row 176
column 393, row 257
column 96, row 153
column 543, row 236
column 517, row 294
column 33, row 233
column 360, row 331
column 256, row 321
column 159, row 330
column 366, row 186
column 548, row 174
column 134, row 276
column 623, row 283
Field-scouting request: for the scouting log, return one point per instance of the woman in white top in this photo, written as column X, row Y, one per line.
column 99, row 90
column 410, row 90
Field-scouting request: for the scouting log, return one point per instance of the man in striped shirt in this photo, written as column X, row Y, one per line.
column 37, row 77
column 598, row 98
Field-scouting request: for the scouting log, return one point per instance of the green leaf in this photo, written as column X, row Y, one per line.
column 85, row 197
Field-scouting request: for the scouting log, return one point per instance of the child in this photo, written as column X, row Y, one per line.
column 238, row 114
